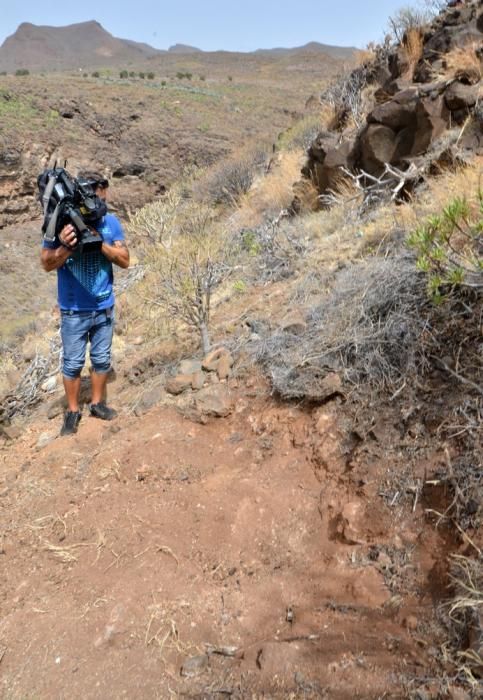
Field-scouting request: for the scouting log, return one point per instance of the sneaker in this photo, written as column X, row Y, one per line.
column 100, row 410
column 71, row 422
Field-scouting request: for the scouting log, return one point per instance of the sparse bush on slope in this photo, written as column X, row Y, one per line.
column 369, row 328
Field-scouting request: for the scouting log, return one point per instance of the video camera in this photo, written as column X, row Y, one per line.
column 67, row 200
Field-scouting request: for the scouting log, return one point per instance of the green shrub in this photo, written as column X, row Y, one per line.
column 449, row 247
column 22, row 71
column 150, row 75
column 142, row 74
column 132, row 74
column 202, row 77
column 95, row 74
column 123, row 74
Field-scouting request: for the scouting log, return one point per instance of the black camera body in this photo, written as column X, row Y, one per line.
column 67, row 200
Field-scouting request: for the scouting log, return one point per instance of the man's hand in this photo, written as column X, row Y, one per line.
column 68, row 236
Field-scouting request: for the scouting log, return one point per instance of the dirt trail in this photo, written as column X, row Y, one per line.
column 136, row 547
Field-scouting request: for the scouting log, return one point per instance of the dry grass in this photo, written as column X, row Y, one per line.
column 364, row 56
column 463, row 62
column 435, row 196
column 305, row 130
column 465, row 619
column 413, row 49
column 270, row 193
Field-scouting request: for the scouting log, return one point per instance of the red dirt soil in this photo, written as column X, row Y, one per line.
column 132, row 547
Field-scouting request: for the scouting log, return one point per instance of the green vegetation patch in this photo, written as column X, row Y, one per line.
column 16, row 108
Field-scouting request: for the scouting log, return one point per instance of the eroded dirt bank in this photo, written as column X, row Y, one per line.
column 267, row 554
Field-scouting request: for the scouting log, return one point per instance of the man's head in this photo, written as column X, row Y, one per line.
column 95, row 180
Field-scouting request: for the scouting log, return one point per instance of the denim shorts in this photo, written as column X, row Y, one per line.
column 77, row 328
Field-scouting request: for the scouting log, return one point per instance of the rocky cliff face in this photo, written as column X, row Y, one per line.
column 425, row 107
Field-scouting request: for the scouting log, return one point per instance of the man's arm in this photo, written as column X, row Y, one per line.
column 117, row 253
column 53, row 258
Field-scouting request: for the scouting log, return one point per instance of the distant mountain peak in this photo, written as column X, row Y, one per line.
column 184, row 48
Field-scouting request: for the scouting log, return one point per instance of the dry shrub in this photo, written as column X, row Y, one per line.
column 463, row 62
column 305, row 130
column 413, row 49
column 407, row 19
column 434, row 196
column 364, row 56
column 233, row 178
column 270, row 193
column 465, row 619
column 272, row 251
column 157, row 222
column 369, row 328
column 345, row 96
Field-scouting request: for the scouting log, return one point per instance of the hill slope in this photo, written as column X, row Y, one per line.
column 88, row 44
column 73, row 46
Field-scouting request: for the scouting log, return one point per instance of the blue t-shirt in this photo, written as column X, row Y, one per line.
column 84, row 282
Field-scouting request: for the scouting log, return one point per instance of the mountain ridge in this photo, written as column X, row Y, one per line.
column 87, row 44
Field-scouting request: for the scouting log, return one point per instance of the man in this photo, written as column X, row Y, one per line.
column 86, row 302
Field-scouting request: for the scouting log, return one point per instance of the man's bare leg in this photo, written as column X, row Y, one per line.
column 72, row 391
column 98, row 382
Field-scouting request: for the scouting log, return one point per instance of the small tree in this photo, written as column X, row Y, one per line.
column 142, row 74
column 123, row 74
column 22, row 71
column 150, row 75
column 189, row 259
column 406, row 19
column 449, row 247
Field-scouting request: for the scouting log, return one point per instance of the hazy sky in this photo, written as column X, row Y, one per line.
column 240, row 25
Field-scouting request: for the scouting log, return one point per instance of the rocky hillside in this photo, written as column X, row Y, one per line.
column 412, row 109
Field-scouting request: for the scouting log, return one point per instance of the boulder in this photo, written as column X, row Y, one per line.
column 432, row 121
column 394, row 114
column 189, row 366
column 392, row 87
column 337, row 158
column 211, row 360
column 460, row 96
column 198, row 380
column 224, row 366
column 181, row 382
column 214, row 400
column 378, row 145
